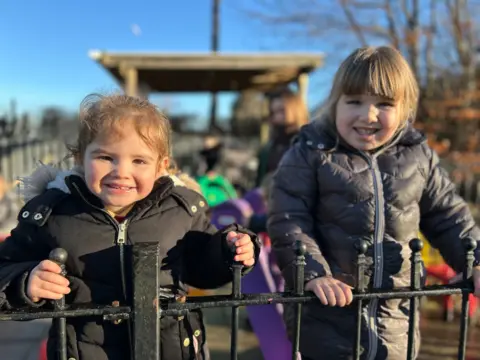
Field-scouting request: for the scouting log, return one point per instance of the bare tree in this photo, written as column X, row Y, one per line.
column 438, row 37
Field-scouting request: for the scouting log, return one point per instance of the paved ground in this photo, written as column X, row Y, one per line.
column 439, row 339
column 21, row 340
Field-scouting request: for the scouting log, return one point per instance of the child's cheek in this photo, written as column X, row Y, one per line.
column 92, row 177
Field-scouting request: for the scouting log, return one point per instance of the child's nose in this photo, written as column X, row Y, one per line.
column 121, row 169
column 370, row 113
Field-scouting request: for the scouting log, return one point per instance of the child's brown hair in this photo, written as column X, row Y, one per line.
column 106, row 115
column 380, row 71
column 296, row 112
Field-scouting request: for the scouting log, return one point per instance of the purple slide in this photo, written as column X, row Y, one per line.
column 256, row 200
column 266, row 320
column 232, row 211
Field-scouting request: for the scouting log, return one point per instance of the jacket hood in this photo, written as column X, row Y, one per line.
column 46, row 177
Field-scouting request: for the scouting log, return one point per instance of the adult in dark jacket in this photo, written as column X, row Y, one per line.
column 362, row 172
column 118, row 194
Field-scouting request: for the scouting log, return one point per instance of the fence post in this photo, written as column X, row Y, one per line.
column 361, row 246
column 300, row 251
column 236, row 294
column 469, row 245
column 146, row 319
column 416, row 245
column 59, row 256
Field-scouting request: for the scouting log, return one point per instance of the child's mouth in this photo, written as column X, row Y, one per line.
column 119, row 187
column 366, row 131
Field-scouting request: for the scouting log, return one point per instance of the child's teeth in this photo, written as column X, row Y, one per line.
column 366, row 131
column 120, row 187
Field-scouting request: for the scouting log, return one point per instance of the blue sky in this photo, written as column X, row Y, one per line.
column 44, row 46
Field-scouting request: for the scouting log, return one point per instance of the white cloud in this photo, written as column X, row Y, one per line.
column 136, row 30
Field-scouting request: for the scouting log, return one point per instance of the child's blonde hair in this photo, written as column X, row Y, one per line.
column 380, row 71
column 107, row 115
column 296, row 112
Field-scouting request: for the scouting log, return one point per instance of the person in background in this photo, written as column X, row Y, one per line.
column 215, row 187
column 287, row 114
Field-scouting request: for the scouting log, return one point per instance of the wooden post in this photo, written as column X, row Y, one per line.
column 131, row 81
column 302, row 82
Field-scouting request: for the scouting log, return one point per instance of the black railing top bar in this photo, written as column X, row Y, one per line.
column 203, row 302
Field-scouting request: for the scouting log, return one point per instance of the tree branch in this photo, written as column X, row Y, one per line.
column 392, row 28
column 353, row 23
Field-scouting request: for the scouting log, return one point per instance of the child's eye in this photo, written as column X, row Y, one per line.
column 353, row 102
column 104, row 157
column 139, row 161
column 386, row 104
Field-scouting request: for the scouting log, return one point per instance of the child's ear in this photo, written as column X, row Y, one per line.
column 163, row 165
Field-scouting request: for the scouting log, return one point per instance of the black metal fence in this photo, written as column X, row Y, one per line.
column 146, row 311
column 18, row 156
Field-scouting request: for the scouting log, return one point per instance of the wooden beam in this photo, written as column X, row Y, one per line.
column 131, row 81
column 303, row 86
column 192, row 72
column 218, row 62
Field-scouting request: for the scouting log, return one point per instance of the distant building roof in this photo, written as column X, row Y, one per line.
column 206, row 72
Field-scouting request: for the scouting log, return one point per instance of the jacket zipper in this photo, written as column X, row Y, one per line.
column 122, row 232
column 377, row 257
column 120, row 241
column 120, row 228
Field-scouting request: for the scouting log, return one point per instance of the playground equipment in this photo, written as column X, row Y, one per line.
column 42, row 353
column 437, row 269
column 216, row 188
column 267, row 320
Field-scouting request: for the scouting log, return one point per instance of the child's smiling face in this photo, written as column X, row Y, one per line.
column 122, row 170
column 366, row 122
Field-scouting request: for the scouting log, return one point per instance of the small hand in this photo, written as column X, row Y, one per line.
column 330, row 291
column 45, row 282
column 244, row 248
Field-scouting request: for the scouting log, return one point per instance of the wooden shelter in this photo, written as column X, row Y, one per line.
column 143, row 73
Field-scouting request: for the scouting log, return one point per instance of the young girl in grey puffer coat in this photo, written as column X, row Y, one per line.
column 363, row 172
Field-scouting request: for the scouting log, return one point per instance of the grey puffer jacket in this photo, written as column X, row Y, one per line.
column 330, row 199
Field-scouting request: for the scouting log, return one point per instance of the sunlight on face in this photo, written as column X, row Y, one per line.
column 122, row 170
column 366, row 122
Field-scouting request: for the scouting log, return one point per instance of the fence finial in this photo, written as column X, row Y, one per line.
column 416, row 245
column 58, row 256
column 469, row 244
column 300, row 248
column 361, row 246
